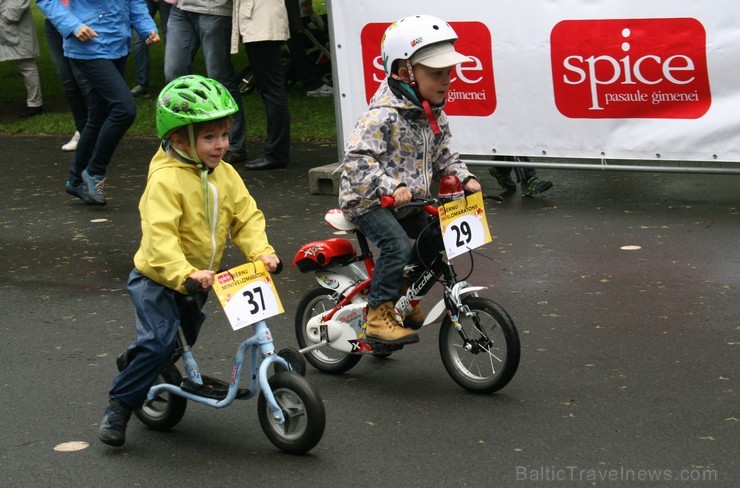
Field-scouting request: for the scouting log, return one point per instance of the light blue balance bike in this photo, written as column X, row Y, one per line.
column 291, row 412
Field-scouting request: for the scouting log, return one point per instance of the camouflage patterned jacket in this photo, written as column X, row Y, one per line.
column 393, row 144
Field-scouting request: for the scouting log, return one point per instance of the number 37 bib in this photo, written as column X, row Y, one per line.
column 247, row 294
column 464, row 225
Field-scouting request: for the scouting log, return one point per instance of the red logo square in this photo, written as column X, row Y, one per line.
column 472, row 90
column 630, row 68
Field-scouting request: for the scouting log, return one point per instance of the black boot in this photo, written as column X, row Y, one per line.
column 113, row 425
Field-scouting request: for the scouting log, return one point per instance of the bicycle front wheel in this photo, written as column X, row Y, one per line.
column 491, row 357
column 302, row 408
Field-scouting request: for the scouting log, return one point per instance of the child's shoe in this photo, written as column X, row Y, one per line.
column 503, row 179
column 535, row 186
column 384, row 326
column 113, row 426
column 94, row 187
column 415, row 319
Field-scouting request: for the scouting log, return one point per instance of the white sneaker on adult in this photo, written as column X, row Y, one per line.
column 72, row 144
column 322, row 91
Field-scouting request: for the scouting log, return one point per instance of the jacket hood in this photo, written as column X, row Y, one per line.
column 162, row 160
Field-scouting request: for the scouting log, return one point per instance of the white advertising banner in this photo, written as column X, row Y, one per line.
column 610, row 79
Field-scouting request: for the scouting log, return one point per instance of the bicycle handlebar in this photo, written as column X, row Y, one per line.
column 428, row 204
column 192, row 287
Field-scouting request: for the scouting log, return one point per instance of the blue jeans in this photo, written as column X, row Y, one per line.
column 157, row 321
column 76, row 87
column 187, row 32
column 141, row 50
column 391, row 236
column 111, row 111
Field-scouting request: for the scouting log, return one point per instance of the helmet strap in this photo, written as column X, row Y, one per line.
column 203, row 175
column 204, row 171
column 424, row 102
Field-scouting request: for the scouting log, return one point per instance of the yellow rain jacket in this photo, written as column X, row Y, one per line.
column 176, row 240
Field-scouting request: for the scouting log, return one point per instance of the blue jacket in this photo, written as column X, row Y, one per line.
column 111, row 19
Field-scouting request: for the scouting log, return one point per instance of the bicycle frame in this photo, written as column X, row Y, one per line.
column 260, row 344
column 351, row 286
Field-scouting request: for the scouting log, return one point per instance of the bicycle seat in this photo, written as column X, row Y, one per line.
column 336, row 220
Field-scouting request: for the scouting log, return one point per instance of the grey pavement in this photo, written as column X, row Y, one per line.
column 629, row 370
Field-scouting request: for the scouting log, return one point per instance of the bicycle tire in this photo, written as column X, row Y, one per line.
column 303, row 409
column 492, row 365
column 165, row 410
column 327, row 360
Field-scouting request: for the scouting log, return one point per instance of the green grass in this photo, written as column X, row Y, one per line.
column 312, row 119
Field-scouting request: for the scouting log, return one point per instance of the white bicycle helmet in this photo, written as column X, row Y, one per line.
column 407, row 36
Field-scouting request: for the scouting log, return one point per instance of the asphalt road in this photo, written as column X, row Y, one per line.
column 629, row 370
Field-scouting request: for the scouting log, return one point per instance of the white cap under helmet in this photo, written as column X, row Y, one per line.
column 407, row 37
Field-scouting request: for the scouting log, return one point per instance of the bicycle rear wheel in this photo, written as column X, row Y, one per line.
column 165, row 410
column 491, row 358
column 318, row 301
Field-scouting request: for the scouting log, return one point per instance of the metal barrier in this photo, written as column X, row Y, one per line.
column 724, row 168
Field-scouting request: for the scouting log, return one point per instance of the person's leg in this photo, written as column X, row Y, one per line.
column 30, row 73
column 141, row 56
column 214, row 32
column 265, row 57
column 76, row 100
column 157, row 320
column 304, row 69
column 164, row 16
column 141, row 63
column 381, row 227
column 182, row 45
column 383, row 321
column 503, row 174
column 112, row 98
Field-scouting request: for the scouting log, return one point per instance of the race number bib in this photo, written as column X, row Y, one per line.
column 464, row 225
column 247, row 294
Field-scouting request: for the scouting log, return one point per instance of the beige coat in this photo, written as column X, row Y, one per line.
column 17, row 33
column 258, row 20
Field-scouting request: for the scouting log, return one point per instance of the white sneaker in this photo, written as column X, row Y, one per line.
column 72, row 144
column 322, row 91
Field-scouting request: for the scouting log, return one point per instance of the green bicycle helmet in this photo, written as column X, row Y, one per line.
column 191, row 99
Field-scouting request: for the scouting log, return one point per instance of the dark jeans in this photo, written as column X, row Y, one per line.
column 141, row 50
column 76, row 87
column 188, row 32
column 111, row 111
column 392, row 237
column 157, row 320
column 265, row 58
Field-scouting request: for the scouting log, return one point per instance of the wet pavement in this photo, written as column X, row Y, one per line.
column 624, row 288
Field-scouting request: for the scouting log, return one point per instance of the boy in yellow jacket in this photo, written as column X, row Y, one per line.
column 192, row 202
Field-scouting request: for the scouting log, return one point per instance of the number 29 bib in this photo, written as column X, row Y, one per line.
column 464, row 225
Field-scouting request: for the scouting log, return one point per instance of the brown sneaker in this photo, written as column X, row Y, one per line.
column 384, row 326
column 415, row 319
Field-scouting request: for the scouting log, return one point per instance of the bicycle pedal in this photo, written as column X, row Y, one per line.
column 382, row 348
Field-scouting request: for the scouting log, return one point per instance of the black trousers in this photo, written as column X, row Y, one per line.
column 265, row 58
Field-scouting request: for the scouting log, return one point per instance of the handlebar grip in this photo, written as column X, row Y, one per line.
column 279, row 268
column 192, row 286
column 387, row 201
